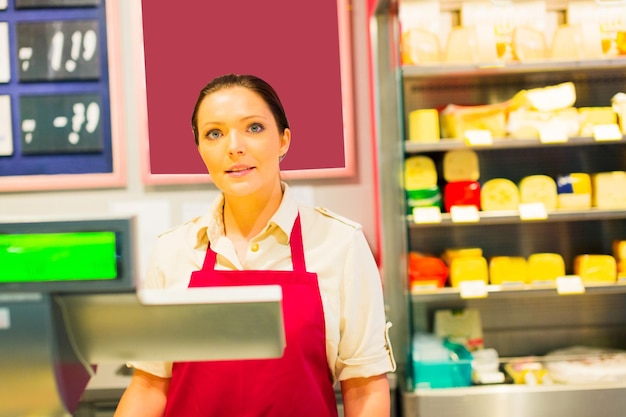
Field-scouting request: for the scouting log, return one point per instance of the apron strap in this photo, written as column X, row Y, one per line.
column 295, row 243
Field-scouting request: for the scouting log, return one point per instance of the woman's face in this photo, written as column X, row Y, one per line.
column 239, row 141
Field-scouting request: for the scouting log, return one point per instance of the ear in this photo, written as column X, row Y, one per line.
column 285, row 141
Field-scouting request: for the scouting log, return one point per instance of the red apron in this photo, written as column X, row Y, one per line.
column 298, row 384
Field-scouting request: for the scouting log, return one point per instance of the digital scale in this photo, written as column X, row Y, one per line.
column 69, row 301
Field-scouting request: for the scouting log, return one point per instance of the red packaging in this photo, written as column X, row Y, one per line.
column 461, row 193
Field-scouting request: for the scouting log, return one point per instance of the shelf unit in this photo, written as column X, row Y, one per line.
column 517, row 321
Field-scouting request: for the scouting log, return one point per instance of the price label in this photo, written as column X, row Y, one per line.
column 61, row 124
column 464, row 214
column 478, row 137
column 4, row 4
column 532, row 211
column 553, row 134
column 426, row 215
column 31, row 4
column 5, row 66
column 570, row 284
column 6, row 129
column 58, row 50
column 473, row 289
column 607, row 132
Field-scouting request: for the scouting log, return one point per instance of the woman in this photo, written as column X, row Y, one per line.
column 255, row 234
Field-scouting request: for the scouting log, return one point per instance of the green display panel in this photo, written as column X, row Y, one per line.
column 43, row 257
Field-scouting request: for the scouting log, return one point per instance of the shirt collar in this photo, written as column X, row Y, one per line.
column 210, row 226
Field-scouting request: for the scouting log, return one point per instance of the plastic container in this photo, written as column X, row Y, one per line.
column 438, row 363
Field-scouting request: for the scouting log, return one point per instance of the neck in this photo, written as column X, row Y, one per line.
column 245, row 217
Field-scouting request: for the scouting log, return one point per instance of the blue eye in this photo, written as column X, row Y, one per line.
column 213, row 134
column 256, row 128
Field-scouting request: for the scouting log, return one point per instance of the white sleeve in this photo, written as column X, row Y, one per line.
column 364, row 346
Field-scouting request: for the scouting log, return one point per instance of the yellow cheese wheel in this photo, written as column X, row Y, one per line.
column 538, row 189
column 461, row 165
column 508, row 269
column 619, row 249
column 419, row 173
column 596, row 268
column 544, row 267
column 499, row 194
column 470, row 268
column 609, row 190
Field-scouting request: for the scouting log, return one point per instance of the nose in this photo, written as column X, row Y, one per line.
column 236, row 143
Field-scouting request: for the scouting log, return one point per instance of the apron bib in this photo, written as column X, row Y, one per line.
column 298, row 384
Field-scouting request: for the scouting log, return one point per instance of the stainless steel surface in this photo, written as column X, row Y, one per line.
column 40, row 374
column 518, row 401
column 222, row 323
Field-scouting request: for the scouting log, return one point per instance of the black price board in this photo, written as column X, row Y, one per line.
column 58, row 50
column 59, row 108
column 61, row 124
column 26, row 4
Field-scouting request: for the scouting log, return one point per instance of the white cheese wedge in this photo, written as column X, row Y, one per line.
column 550, row 98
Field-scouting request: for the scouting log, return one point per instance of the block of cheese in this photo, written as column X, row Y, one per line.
column 550, row 98
column 596, row 268
column 456, row 119
column 419, row 173
column 470, row 268
column 499, row 194
column 545, row 267
column 424, row 126
column 574, row 191
column 461, row 193
column 567, row 43
column 528, row 44
column 453, row 253
column 609, row 190
column 508, row 269
column 593, row 116
column 538, row 189
column 419, row 46
column 461, row 165
column 524, row 123
column 425, row 197
column 619, row 249
column 461, row 46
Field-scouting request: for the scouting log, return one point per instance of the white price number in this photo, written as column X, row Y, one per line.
column 85, row 43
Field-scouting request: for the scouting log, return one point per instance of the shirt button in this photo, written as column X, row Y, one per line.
column 254, row 247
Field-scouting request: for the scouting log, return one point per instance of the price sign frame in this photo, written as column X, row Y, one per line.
column 103, row 167
column 179, row 162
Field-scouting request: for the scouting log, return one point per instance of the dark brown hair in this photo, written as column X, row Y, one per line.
column 251, row 82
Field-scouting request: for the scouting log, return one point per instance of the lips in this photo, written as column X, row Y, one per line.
column 239, row 170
